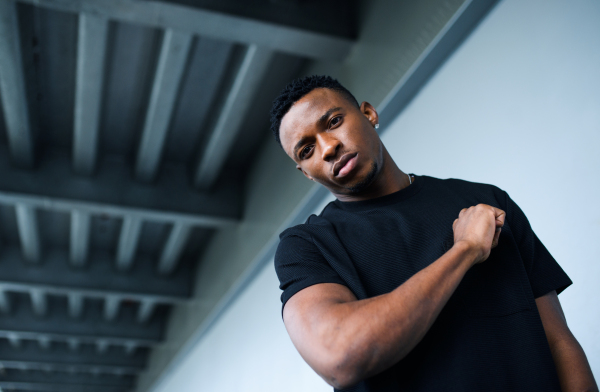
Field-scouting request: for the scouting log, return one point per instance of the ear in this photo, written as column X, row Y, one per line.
column 370, row 113
column 305, row 173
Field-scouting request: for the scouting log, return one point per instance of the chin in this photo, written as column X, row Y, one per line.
column 364, row 183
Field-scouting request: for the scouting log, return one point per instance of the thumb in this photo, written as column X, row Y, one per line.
column 496, row 237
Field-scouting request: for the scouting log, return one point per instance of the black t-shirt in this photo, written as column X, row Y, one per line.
column 489, row 336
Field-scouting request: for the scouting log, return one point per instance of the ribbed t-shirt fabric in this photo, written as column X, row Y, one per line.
column 489, row 336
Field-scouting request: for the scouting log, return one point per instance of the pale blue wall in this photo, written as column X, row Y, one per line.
column 518, row 106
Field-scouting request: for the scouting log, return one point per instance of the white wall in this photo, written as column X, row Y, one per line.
column 518, row 105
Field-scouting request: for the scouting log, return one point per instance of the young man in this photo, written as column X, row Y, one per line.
column 411, row 283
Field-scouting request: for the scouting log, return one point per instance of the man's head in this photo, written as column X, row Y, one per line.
column 332, row 138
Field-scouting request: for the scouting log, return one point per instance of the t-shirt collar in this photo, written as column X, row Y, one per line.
column 402, row 194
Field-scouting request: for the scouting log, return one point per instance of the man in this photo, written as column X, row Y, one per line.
column 411, row 283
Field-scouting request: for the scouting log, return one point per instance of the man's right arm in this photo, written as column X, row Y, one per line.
column 346, row 340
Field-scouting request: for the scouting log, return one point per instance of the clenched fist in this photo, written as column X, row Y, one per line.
column 479, row 226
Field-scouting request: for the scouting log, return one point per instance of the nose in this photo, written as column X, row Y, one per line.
column 329, row 146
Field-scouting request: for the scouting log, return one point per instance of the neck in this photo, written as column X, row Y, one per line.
column 390, row 179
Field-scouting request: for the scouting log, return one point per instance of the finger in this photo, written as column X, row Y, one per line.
column 454, row 224
column 496, row 237
column 461, row 212
column 500, row 216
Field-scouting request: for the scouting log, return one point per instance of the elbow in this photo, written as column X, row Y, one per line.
column 355, row 363
column 340, row 378
column 344, row 370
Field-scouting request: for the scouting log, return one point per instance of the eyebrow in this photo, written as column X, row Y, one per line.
column 320, row 121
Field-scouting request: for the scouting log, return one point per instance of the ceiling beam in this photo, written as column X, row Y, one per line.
column 39, row 302
column 28, row 232
column 81, row 224
column 99, row 280
column 112, row 303
column 14, row 341
column 169, row 72
column 88, row 338
column 145, row 311
column 230, row 121
column 111, row 192
column 40, row 377
column 76, row 302
column 92, row 327
column 4, row 302
column 128, row 240
column 91, row 49
column 78, row 367
column 172, row 250
column 211, row 24
column 53, row 387
column 83, row 359
column 43, row 340
column 12, row 87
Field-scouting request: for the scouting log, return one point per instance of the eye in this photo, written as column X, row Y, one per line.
column 335, row 121
column 305, row 151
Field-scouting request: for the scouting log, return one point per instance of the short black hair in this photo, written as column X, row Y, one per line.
column 298, row 89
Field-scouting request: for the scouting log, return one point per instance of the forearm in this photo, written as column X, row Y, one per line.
column 573, row 370
column 376, row 333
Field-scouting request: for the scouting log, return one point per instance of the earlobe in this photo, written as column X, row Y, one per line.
column 305, row 174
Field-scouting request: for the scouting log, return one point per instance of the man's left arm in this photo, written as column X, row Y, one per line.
column 573, row 369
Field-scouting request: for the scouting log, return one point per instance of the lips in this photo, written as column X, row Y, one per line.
column 344, row 165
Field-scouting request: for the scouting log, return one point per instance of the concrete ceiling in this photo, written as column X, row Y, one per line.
column 126, row 135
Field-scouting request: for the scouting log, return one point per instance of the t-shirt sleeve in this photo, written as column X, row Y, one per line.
column 543, row 271
column 299, row 264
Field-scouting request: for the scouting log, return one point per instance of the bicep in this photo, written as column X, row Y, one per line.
column 309, row 318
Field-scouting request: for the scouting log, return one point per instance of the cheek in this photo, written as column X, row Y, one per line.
column 354, row 134
column 315, row 171
column 372, row 143
column 312, row 170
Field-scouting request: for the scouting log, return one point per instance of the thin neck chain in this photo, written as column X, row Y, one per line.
column 409, row 179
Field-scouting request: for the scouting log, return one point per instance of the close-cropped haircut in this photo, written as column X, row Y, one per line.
column 298, row 89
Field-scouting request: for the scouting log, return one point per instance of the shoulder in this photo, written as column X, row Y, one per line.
column 478, row 190
column 312, row 224
column 298, row 252
column 300, row 239
column 458, row 183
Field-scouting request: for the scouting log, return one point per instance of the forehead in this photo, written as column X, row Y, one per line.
column 304, row 114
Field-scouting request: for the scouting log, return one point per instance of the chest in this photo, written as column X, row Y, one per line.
column 388, row 246
column 385, row 251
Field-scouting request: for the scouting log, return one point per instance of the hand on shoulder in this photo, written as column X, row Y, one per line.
column 479, row 228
